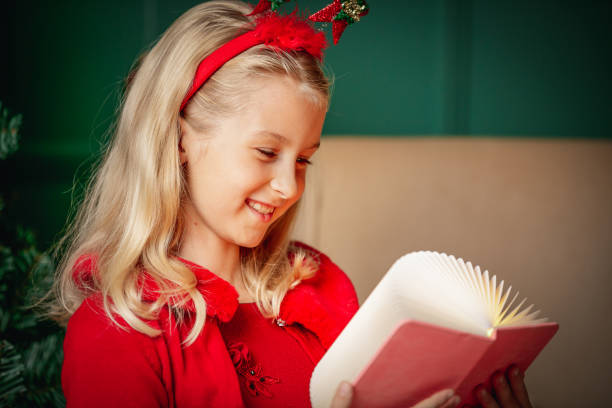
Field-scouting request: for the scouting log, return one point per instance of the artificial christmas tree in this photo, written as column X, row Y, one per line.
column 30, row 345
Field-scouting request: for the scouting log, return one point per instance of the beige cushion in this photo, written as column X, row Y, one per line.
column 535, row 212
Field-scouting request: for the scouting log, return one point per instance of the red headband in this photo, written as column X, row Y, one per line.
column 287, row 33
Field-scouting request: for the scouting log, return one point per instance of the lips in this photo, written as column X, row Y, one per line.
column 264, row 211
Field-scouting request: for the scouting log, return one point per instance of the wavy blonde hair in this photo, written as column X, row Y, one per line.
column 131, row 217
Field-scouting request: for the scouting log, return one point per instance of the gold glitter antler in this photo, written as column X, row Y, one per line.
column 341, row 13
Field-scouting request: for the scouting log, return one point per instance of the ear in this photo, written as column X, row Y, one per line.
column 183, row 128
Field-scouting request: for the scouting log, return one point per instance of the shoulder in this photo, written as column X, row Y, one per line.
column 326, row 268
column 323, row 303
column 90, row 324
column 104, row 362
column 91, row 337
column 329, row 277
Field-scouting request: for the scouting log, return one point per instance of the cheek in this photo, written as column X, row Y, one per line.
column 210, row 184
column 300, row 179
column 301, row 183
column 248, row 182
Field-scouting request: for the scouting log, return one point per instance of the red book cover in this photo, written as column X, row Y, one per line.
column 419, row 359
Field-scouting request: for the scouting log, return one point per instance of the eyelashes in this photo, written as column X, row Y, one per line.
column 271, row 154
column 267, row 153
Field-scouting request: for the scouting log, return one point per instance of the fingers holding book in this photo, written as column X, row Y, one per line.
column 517, row 383
column 509, row 391
column 343, row 396
column 441, row 399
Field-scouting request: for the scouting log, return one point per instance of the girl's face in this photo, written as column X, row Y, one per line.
column 250, row 169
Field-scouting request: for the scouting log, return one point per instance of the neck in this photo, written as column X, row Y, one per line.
column 221, row 259
column 203, row 247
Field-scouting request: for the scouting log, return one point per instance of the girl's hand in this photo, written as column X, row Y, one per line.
column 441, row 399
column 512, row 395
column 344, row 396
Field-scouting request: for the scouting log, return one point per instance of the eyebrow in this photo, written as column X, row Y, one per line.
column 283, row 139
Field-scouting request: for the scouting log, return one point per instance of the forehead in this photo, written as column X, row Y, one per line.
column 279, row 138
column 279, row 109
column 284, row 89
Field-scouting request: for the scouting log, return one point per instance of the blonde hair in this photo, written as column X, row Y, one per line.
column 131, row 218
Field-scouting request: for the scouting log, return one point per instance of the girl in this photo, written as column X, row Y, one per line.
column 179, row 281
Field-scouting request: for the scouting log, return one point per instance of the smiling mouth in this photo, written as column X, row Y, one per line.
column 263, row 210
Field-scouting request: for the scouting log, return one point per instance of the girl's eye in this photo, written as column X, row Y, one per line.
column 304, row 161
column 270, row 154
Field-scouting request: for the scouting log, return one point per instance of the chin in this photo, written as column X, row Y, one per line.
column 250, row 242
column 257, row 237
column 249, row 245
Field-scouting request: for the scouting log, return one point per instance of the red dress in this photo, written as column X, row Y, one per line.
column 273, row 369
column 107, row 366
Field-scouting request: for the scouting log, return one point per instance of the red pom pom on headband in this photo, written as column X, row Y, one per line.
column 290, row 33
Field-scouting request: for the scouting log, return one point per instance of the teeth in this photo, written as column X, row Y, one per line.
column 264, row 209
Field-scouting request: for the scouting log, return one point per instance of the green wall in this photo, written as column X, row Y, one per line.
column 455, row 67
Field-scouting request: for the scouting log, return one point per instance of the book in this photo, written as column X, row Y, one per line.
column 433, row 322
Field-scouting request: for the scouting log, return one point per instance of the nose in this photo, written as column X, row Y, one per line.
column 284, row 181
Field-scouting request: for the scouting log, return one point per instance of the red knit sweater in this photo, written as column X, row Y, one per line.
column 106, row 366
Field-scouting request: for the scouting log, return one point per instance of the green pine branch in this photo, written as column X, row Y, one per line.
column 25, row 275
column 11, row 374
column 9, row 132
column 31, row 352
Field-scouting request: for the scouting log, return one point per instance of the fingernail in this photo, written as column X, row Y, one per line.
column 345, row 389
column 515, row 372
